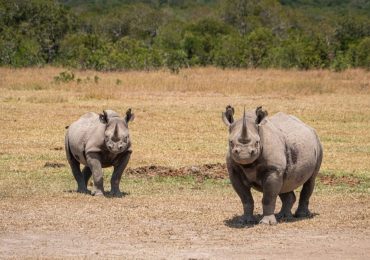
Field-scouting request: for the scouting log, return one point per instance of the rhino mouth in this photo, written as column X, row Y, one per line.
column 115, row 149
column 244, row 158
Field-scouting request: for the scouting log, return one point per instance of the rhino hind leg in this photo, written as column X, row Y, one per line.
column 76, row 171
column 75, row 166
column 86, row 173
column 288, row 199
column 304, row 197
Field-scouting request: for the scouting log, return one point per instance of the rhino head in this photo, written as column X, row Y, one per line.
column 244, row 139
column 116, row 134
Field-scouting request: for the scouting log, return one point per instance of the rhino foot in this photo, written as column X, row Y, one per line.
column 247, row 219
column 116, row 193
column 303, row 213
column 268, row 220
column 97, row 193
column 83, row 190
column 285, row 215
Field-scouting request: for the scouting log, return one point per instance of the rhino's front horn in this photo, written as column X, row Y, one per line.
column 115, row 134
column 244, row 134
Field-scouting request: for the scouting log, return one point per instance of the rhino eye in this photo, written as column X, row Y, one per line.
column 257, row 143
column 125, row 139
column 231, row 143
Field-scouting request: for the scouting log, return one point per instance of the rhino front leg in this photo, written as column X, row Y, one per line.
column 287, row 200
column 272, row 183
column 119, row 167
column 245, row 195
column 94, row 163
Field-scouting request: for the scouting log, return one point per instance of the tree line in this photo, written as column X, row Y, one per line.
column 151, row 34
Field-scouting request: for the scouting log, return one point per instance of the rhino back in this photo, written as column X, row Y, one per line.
column 302, row 150
column 85, row 135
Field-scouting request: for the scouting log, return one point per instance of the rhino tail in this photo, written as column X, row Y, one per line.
column 71, row 159
column 319, row 157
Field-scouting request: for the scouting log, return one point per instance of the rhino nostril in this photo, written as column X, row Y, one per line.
column 236, row 151
column 253, row 152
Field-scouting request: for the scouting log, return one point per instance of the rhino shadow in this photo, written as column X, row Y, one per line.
column 107, row 194
column 236, row 220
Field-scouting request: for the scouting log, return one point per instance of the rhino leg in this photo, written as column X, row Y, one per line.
column 308, row 186
column 86, row 173
column 272, row 183
column 304, row 197
column 245, row 195
column 119, row 167
column 287, row 200
column 94, row 163
column 75, row 167
column 81, row 187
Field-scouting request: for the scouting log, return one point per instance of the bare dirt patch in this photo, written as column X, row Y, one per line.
column 200, row 172
column 218, row 171
column 188, row 224
column 332, row 179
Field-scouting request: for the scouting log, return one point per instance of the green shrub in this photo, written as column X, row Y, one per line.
column 363, row 53
column 229, row 52
column 65, row 77
column 85, row 51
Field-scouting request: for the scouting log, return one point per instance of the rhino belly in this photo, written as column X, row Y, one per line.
column 295, row 178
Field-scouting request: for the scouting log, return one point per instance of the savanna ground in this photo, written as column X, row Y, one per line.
column 179, row 202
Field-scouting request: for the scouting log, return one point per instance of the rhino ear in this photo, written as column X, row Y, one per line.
column 261, row 114
column 129, row 116
column 103, row 117
column 228, row 115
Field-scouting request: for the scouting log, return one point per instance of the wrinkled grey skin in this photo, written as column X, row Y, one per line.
column 274, row 155
column 99, row 141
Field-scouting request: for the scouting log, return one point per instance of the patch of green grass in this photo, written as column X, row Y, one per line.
column 344, row 182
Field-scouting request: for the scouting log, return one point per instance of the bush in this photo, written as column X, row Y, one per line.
column 85, row 51
column 175, row 60
column 19, row 51
column 134, row 54
column 297, row 52
column 362, row 52
column 229, row 52
column 258, row 44
column 41, row 23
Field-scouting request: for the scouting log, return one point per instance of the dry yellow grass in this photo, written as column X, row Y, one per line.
column 178, row 116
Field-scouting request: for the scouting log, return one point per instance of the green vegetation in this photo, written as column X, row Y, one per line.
column 150, row 34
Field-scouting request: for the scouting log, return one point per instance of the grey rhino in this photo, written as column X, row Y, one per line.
column 99, row 141
column 274, row 155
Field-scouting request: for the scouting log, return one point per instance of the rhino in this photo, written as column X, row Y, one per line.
column 98, row 141
column 274, row 155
